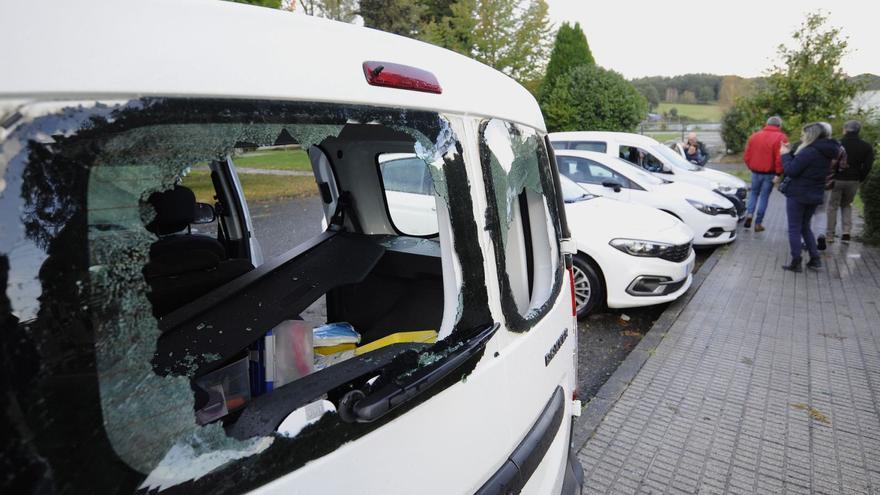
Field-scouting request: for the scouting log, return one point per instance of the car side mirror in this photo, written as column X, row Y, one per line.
column 204, row 214
column 612, row 184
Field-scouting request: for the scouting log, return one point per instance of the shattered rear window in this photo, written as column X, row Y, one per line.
column 78, row 243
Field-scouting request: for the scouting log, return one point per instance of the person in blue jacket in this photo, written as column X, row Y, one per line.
column 805, row 172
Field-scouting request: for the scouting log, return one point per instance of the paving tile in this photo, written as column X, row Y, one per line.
column 767, row 382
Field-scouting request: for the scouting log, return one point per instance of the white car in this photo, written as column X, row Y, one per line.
column 656, row 158
column 628, row 255
column 712, row 217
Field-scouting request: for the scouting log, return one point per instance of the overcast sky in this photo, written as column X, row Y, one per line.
column 647, row 38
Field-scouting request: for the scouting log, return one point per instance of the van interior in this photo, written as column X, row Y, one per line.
column 292, row 310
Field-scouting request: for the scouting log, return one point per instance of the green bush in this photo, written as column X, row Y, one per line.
column 740, row 121
column 590, row 98
column 871, row 199
column 871, row 188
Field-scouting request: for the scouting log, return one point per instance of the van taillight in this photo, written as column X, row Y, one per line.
column 401, row 76
column 574, row 307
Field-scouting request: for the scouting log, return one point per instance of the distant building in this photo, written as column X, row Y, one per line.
column 866, row 100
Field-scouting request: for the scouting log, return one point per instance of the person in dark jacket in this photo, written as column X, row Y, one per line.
column 693, row 155
column 859, row 158
column 701, row 155
column 806, row 170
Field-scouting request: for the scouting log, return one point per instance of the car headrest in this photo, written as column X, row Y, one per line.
column 175, row 210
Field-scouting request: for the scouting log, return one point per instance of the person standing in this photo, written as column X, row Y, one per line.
column 765, row 162
column 860, row 159
column 806, row 171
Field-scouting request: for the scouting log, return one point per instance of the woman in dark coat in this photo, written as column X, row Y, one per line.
column 806, row 170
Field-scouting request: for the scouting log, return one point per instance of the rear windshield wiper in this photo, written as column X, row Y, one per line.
column 356, row 406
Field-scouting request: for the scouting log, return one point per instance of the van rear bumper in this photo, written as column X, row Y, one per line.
column 573, row 484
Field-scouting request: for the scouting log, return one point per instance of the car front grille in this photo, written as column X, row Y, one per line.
column 741, row 193
column 677, row 254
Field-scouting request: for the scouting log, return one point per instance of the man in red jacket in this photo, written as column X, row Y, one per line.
column 763, row 159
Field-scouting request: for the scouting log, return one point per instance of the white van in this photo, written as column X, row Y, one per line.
column 154, row 337
column 651, row 155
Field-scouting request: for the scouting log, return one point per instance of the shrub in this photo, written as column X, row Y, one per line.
column 871, row 188
column 589, row 97
column 738, row 123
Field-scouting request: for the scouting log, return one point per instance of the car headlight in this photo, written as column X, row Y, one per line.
column 728, row 190
column 636, row 247
column 707, row 209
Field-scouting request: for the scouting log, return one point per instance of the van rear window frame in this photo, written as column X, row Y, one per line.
column 286, row 455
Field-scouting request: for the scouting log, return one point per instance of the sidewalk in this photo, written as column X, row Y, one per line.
column 767, row 382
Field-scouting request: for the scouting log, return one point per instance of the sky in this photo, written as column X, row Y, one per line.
column 647, row 38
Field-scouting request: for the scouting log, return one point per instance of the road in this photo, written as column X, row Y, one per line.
column 282, row 225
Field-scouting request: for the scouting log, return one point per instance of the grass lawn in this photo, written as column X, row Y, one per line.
column 706, row 113
column 296, row 159
column 743, row 174
column 257, row 187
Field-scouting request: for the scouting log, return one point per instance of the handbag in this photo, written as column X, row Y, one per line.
column 783, row 184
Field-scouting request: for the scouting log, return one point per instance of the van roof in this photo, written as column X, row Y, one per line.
column 630, row 137
column 211, row 48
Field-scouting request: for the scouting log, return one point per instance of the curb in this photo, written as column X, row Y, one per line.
column 594, row 411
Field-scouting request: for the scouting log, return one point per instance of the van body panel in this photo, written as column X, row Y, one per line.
column 457, row 435
column 197, row 48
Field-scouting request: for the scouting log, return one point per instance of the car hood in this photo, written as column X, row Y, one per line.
column 682, row 190
column 722, row 178
column 599, row 220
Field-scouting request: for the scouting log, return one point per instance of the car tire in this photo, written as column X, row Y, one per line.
column 588, row 289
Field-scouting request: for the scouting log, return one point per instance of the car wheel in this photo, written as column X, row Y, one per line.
column 588, row 291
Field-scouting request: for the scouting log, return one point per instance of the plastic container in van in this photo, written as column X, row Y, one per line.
column 227, row 390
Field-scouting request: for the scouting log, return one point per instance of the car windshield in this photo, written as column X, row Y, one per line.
column 571, row 192
column 635, row 172
column 674, row 158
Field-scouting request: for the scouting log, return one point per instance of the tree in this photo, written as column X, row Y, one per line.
column 402, row 17
column 738, row 123
column 569, row 50
column 688, row 97
column 338, row 10
column 705, row 94
column 273, row 4
column 649, row 91
column 732, row 88
column 808, row 84
column 511, row 36
column 589, row 97
column 436, row 10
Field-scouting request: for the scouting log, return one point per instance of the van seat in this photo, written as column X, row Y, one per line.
column 182, row 265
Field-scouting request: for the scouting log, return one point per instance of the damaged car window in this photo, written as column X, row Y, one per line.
column 159, row 295
column 524, row 222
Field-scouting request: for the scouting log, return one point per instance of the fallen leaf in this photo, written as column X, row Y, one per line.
column 813, row 412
